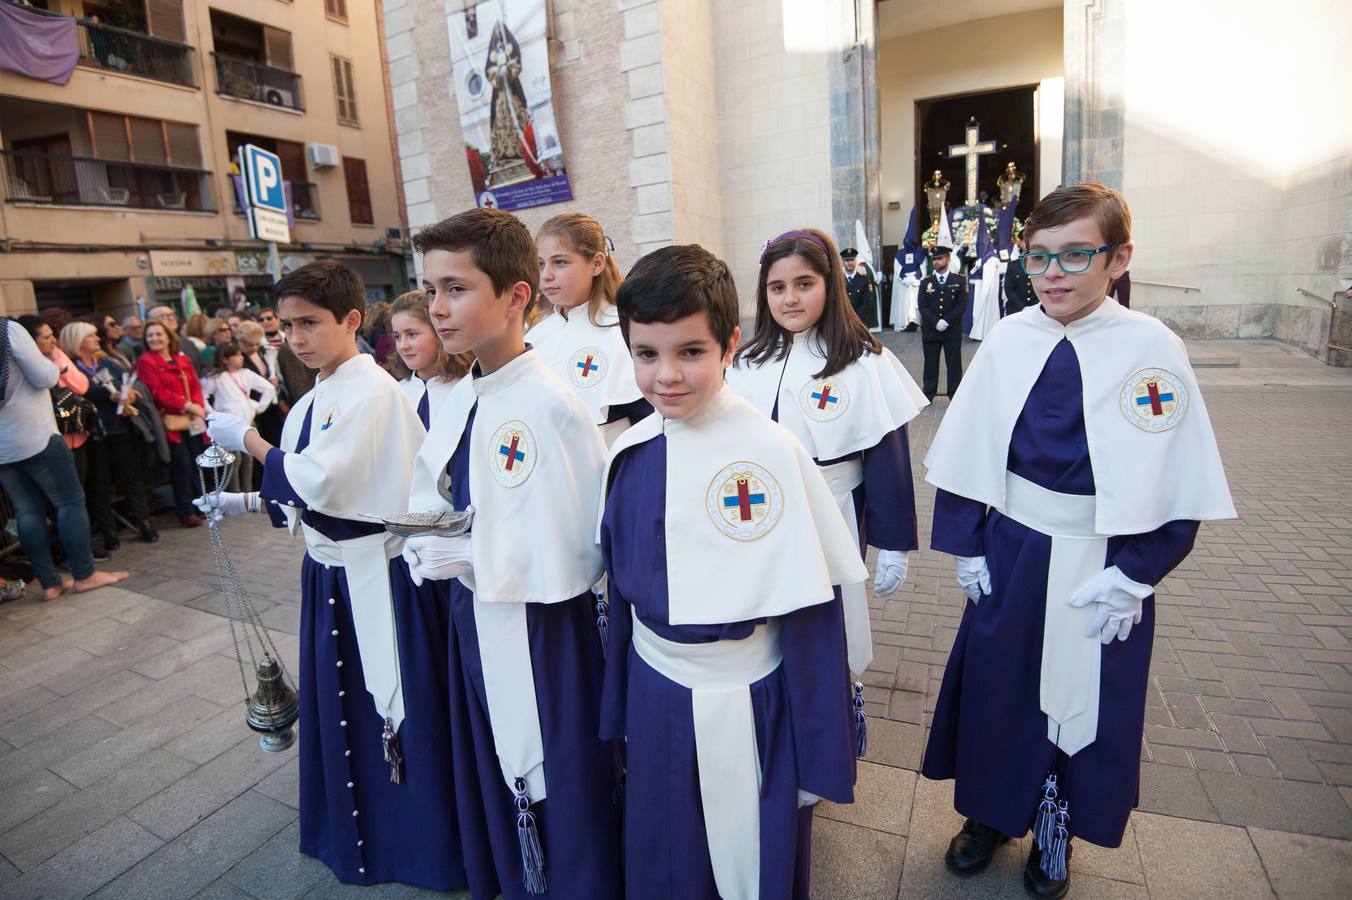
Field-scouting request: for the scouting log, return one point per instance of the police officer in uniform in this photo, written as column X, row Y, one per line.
column 1018, row 289
column 943, row 300
column 859, row 284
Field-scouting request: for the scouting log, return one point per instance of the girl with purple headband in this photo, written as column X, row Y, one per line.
column 813, row 366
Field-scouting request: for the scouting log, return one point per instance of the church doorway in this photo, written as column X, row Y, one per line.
column 1006, row 117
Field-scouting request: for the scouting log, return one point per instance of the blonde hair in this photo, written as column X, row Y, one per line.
column 585, row 236
column 73, row 335
column 449, row 367
column 250, row 331
column 196, row 326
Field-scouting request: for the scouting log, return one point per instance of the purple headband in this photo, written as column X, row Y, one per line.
column 789, row 235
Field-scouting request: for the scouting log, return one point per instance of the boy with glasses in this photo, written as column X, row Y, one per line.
column 1072, row 475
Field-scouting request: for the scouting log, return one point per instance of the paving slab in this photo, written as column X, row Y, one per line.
column 198, row 795
column 48, row 718
column 106, row 756
column 88, row 864
column 283, row 785
column 856, row 862
column 51, row 831
column 934, row 822
column 201, row 855
column 277, row 869
column 1278, row 804
column 1175, row 791
column 882, row 799
column 1301, row 867
column 1200, row 860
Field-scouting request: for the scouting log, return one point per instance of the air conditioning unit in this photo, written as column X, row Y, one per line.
column 279, row 97
column 324, row 156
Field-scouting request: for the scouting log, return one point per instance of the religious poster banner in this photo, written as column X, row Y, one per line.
column 500, row 63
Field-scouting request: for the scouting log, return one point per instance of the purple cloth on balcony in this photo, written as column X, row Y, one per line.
column 39, row 46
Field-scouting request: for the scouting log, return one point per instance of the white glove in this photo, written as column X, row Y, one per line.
column 974, row 577
column 432, row 556
column 225, row 505
column 890, row 572
column 1119, row 602
column 228, row 431
column 942, row 326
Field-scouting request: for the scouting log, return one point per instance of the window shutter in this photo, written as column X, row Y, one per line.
column 166, row 20
column 344, row 90
column 183, row 147
column 147, row 141
column 277, row 44
column 110, row 137
column 336, row 9
column 358, row 191
column 293, row 161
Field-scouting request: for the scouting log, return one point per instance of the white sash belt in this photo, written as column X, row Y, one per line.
column 842, row 478
column 1069, row 688
column 509, row 688
column 365, row 562
column 719, row 676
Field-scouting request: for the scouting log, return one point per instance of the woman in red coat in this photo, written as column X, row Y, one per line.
column 178, row 398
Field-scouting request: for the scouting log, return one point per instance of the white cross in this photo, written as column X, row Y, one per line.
column 972, row 149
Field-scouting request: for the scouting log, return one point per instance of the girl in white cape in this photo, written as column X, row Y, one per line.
column 580, row 338
column 813, row 366
column 426, row 372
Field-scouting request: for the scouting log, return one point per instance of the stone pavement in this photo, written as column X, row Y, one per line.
column 126, row 769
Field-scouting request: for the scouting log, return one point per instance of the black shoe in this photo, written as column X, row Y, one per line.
column 971, row 849
column 111, row 541
column 97, row 551
column 1036, row 882
column 146, row 532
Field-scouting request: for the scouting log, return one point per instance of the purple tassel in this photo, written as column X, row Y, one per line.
column 860, row 722
column 528, row 835
column 602, row 621
column 393, row 757
column 1054, row 856
column 1044, row 829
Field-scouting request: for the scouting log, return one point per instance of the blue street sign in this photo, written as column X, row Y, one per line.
column 263, row 178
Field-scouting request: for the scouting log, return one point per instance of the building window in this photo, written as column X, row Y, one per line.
column 358, row 191
column 336, row 10
column 344, row 90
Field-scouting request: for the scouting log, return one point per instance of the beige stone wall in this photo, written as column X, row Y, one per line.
column 589, row 100
column 773, row 126
column 1239, row 186
column 692, row 127
column 935, row 64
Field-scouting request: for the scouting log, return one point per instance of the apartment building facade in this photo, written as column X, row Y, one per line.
column 121, row 184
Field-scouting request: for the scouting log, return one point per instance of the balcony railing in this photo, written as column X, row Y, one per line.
column 28, row 177
column 120, row 50
column 249, row 80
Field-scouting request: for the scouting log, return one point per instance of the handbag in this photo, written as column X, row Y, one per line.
column 76, row 415
column 179, row 421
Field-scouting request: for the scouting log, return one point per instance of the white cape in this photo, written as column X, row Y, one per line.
column 834, row 417
column 440, row 388
column 752, row 530
column 1151, row 444
column 986, row 300
column 592, row 359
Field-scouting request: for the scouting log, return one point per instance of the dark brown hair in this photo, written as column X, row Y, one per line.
column 449, row 366
column 226, row 350
column 1077, row 201
column 674, row 282
column 327, row 283
column 499, row 244
column 842, row 334
column 584, row 236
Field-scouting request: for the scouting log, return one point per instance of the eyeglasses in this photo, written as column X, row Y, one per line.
column 1072, row 262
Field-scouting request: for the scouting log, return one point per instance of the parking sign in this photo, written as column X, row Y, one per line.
column 265, row 194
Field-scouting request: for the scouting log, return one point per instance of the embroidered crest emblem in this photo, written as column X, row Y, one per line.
column 929, row 288
column 823, row 400
column 744, row 501
column 512, row 454
column 1154, row 399
column 587, row 367
column 326, row 422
